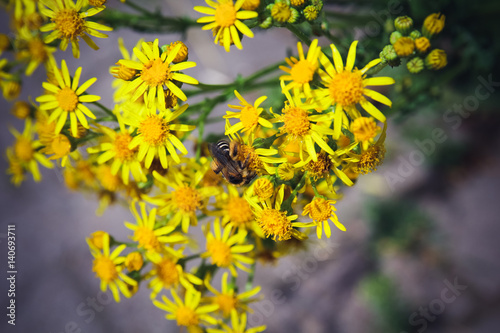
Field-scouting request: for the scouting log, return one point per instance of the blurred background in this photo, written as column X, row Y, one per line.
column 421, row 248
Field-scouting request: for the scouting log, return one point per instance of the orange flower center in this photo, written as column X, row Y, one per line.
column 364, row 128
column 226, row 303
column 274, row 223
column 154, row 130
column 61, row 145
column 67, row 99
column 303, row 71
column 167, row 272
column 122, row 151
column 239, row 211
column 186, row 199
column 186, row 316
column 69, row 23
column 319, row 209
column 225, row 14
column 249, row 116
column 23, row 149
column 146, row 239
column 296, row 121
column 105, row 269
column 263, row 188
column 155, row 72
column 220, row 252
column 346, row 88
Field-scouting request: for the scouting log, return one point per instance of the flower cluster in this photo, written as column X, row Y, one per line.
column 271, row 176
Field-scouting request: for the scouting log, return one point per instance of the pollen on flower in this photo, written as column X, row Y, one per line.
column 220, row 252
column 123, row 152
column 186, row 316
column 370, row 159
column 146, row 239
column 67, row 99
column 186, row 199
column 23, row 149
column 319, row 168
column 295, row 121
column 239, row 211
column 69, row 23
column 319, row 209
column 225, row 14
column 155, row 72
column 302, row 71
column 364, row 128
column 105, row 269
column 249, row 116
column 274, row 223
column 226, row 303
column 346, row 88
column 167, row 272
column 263, row 188
column 154, row 130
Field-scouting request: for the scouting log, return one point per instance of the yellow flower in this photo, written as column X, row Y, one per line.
column 66, row 98
column 32, row 49
column 404, row 47
column 224, row 17
column 300, row 126
column 167, row 273
column 249, row 116
column 370, row 158
column 15, row 168
column 227, row 299
column 273, row 221
column 154, row 71
column 436, row 59
column 364, row 129
column 108, row 268
column 433, row 24
column 187, row 313
column 235, row 210
column 301, row 71
column 134, row 261
column 25, row 154
column 225, row 248
column 321, row 210
column 155, row 135
column 148, row 234
column 346, row 87
column 239, row 323
column 69, row 24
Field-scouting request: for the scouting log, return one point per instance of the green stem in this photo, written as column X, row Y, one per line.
column 299, row 34
column 105, row 109
column 251, row 276
column 137, row 8
column 288, row 202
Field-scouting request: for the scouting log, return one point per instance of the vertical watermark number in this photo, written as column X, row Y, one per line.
column 11, row 274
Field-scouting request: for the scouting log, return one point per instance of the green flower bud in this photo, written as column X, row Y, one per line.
column 415, row 34
column 311, row 13
column 395, row 36
column 415, row 65
column 403, row 24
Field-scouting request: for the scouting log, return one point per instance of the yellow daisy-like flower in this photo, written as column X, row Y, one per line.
column 25, row 154
column 187, row 313
column 108, row 267
column 239, row 323
column 321, row 210
column 154, row 71
column 156, row 135
column 167, row 273
column 300, row 126
column 346, row 87
column 69, row 24
column 235, row 210
column 301, row 71
column 249, row 116
column 66, row 98
column 116, row 148
column 225, row 249
column 227, row 299
column 225, row 17
column 15, row 168
column 32, row 49
column 147, row 236
column 273, row 221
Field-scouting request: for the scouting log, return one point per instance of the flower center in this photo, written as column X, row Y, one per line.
column 319, row 168
column 154, row 130
column 346, row 88
column 364, row 128
column 186, row 316
column 249, row 117
column 225, row 14
column 67, row 99
column 186, row 199
column 122, row 151
column 37, row 50
column 263, row 188
column 23, row 149
column 105, row 269
column 295, row 121
column 146, row 239
column 167, row 272
column 69, row 23
column 220, row 252
column 239, row 211
column 371, row 159
column 303, row 71
column 155, row 72
column 134, row 261
column 226, row 303
column 61, row 145
column 319, row 209
column 274, row 223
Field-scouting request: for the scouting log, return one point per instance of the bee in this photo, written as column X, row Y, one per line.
column 225, row 161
